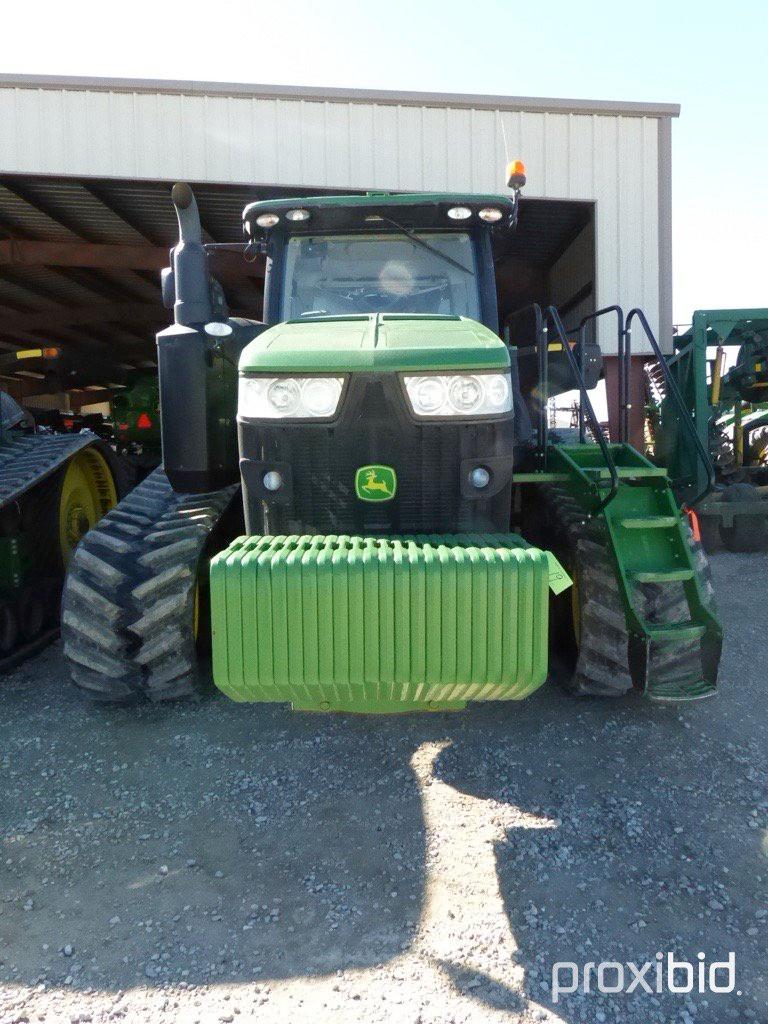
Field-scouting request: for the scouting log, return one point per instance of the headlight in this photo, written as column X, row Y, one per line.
column 458, row 394
column 490, row 214
column 275, row 398
column 267, row 220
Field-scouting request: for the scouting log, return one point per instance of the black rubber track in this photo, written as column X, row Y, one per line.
column 129, row 596
column 599, row 663
column 28, row 459
column 30, row 491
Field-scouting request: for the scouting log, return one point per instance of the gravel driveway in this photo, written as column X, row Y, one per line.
column 226, row 862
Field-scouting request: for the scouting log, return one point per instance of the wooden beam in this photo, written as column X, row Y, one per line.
column 107, row 256
column 75, row 316
column 82, row 254
column 122, row 313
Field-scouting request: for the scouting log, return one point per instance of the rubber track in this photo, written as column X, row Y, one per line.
column 602, row 664
column 27, row 459
column 128, row 603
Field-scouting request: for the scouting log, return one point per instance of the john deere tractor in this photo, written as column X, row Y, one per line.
column 360, row 507
column 53, row 489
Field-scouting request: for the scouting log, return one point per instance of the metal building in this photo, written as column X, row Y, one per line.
column 85, row 166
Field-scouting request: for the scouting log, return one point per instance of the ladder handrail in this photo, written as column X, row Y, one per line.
column 622, row 351
column 673, row 391
column 553, row 316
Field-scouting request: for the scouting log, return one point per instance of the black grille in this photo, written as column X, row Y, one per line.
column 321, row 462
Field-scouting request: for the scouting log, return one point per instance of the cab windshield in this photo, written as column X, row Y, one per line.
column 342, row 274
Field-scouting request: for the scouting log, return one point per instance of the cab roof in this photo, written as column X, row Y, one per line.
column 414, row 210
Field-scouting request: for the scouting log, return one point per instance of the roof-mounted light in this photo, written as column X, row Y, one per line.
column 267, row 220
column 490, row 214
column 515, row 174
column 459, row 212
column 297, row 215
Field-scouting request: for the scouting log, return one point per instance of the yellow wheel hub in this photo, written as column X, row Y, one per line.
column 87, row 493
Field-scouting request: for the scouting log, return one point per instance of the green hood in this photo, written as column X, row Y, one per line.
column 381, row 341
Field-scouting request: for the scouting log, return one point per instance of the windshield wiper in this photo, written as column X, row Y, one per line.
column 425, row 245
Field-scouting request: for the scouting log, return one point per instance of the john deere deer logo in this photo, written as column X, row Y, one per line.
column 375, row 483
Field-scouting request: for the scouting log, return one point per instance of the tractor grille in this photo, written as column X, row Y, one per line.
column 323, row 460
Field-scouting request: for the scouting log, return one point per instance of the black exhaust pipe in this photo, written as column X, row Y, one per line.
column 198, row 387
column 191, row 274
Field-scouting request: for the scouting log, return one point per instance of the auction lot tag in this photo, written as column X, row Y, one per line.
column 559, row 580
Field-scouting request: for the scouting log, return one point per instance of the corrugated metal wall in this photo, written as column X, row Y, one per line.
column 610, row 159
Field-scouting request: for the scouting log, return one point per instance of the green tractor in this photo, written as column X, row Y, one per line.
column 136, row 424
column 360, row 507
column 53, row 489
column 729, row 407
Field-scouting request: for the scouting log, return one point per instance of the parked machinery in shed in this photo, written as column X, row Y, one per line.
column 136, row 424
column 405, row 516
column 730, row 409
column 53, row 489
column 131, row 425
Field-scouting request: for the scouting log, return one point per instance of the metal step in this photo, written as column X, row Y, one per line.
column 675, row 631
column 663, row 576
column 626, row 472
column 649, row 522
column 680, row 691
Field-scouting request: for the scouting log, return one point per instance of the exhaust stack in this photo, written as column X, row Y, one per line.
column 192, row 280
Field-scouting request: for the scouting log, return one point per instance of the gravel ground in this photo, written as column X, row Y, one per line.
column 233, row 863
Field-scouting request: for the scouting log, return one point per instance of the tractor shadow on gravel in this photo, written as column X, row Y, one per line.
column 226, row 843
column 201, row 843
column 628, row 836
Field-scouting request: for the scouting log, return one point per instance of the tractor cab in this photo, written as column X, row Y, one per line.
column 419, row 255
column 380, row 253
column 382, row 348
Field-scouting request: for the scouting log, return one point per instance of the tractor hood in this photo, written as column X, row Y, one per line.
column 380, row 341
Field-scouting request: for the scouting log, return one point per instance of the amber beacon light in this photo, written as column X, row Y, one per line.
column 515, row 174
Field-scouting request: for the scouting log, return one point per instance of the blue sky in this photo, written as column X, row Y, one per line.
column 711, row 58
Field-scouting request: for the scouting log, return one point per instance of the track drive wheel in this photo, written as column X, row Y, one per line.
column 64, row 507
column 87, row 491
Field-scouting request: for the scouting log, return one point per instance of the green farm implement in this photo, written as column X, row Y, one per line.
column 136, row 425
column 360, row 507
column 729, row 407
